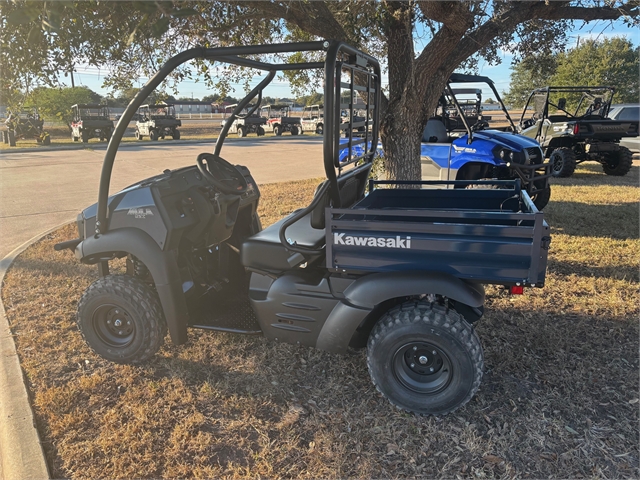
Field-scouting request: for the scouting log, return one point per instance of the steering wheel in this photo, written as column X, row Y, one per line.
column 221, row 174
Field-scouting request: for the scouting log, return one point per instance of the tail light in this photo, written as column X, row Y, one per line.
column 576, row 129
column 516, row 290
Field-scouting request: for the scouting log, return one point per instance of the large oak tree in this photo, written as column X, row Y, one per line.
column 38, row 40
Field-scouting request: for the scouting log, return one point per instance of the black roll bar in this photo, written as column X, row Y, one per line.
column 225, row 54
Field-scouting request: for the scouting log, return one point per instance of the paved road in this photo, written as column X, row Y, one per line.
column 39, row 190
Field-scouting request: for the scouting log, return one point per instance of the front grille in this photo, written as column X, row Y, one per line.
column 535, row 155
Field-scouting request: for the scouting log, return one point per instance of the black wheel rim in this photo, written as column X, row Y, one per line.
column 422, row 367
column 113, row 325
column 556, row 164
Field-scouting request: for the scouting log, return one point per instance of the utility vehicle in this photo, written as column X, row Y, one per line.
column 481, row 153
column 572, row 127
column 313, row 119
column 279, row 121
column 157, row 121
column 246, row 122
column 22, row 125
column 91, row 121
column 399, row 271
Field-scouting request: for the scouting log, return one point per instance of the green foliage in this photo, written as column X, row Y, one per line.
column 611, row 62
column 533, row 72
column 490, row 101
column 55, row 103
column 313, row 99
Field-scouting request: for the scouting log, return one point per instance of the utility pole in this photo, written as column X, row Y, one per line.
column 73, row 85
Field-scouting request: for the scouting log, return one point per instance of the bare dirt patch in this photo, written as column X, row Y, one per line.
column 559, row 396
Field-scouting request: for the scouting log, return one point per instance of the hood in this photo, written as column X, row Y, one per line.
column 510, row 140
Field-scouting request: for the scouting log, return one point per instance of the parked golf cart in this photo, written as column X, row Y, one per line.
column 91, row 121
column 572, row 127
column 399, row 271
column 157, row 121
column 246, row 122
column 279, row 121
column 25, row 124
column 313, row 119
column 481, row 153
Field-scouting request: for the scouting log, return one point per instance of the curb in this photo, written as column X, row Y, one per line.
column 21, row 453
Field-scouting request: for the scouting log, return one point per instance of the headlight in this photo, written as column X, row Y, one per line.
column 506, row 155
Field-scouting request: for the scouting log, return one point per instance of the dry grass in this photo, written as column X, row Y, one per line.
column 559, row 397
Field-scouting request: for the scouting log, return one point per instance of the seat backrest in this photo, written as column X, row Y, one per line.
column 351, row 186
column 434, row 131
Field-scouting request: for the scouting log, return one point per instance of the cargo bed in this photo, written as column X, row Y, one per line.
column 489, row 235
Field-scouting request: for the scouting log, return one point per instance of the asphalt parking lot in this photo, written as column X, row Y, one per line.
column 39, row 190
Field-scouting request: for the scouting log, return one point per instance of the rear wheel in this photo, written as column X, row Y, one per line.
column 260, row 131
column 153, row 135
column 319, row 129
column 425, row 358
column 563, row 162
column 294, row 131
column 241, row 132
column 176, row 135
column 121, row 319
column 618, row 163
column 85, row 136
column 11, row 135
column 46, row 139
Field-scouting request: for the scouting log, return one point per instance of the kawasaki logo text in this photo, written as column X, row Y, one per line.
column 397, row 242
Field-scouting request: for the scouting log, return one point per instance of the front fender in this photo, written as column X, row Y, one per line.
column 362, row 296
column 163, row 267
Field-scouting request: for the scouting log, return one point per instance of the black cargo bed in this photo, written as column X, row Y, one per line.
column 486, row 235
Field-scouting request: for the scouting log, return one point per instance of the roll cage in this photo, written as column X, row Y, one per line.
column 541, row 100
column 90, row 112
column 345, row 69
column 157, row 111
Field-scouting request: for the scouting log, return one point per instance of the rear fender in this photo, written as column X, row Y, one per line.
column 163, row 267
column 363, row 295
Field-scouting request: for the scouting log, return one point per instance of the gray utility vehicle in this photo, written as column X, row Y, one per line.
column 245, row 122
column 157, row 121
column 572, row 127
column 313, row 119
column 399, row 271
column 25, row 124
column 90, row 121
column 279, row 121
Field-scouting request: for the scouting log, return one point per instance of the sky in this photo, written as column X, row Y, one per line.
column 93, row 77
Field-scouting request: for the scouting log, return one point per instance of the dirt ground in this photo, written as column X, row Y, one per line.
column 559, row 398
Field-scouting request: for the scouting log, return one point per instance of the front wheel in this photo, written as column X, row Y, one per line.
column 319, row 130
column 425, row 358
column 121, row 319
column 138, row 135
column 563, row 162
column 46, row 139
column 260, row 131
column 153, row 135
column 541, row 199
column 241, row 132
column 176, row 135
column 618, row 163
column 277, row 130
column 294, row 131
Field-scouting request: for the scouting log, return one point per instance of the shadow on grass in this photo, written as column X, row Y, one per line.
column 619, row 272
column 591, row 174
column 619, row 220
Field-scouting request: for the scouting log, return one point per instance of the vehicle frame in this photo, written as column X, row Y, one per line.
column 198, row 257
column 247, row 122
column 90, row 120
column 586, row 134
column 157, row 121
column 312, row 119
column 279, row 121
column 26, row 124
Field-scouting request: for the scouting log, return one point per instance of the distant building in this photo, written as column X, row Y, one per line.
column 184, row 107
